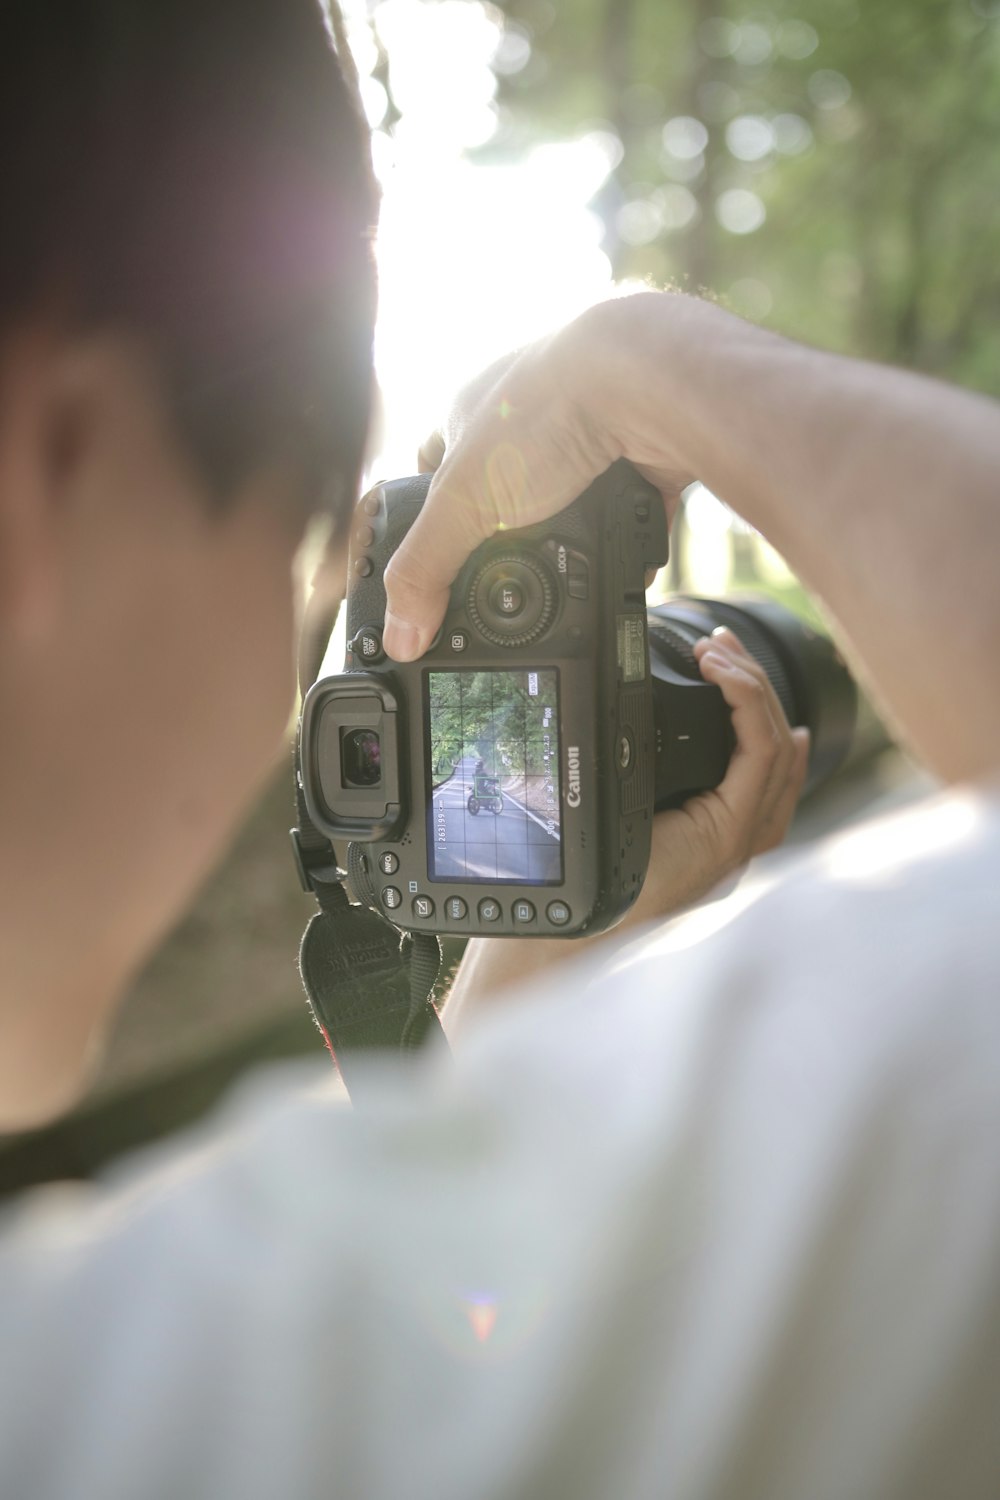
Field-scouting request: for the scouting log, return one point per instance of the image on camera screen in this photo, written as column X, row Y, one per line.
column 494, row 807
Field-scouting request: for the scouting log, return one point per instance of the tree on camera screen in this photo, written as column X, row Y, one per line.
column 493, row 810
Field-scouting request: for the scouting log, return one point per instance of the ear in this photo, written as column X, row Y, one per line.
column 42, row 431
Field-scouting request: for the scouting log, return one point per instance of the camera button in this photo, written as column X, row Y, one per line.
column 507, row 597
column 558, row 913
column 391, row 897
column 523, row 913
column 388, row 863
column 455, row 909
column 578, row 577
column 423, row 907
column 363, row 566
column 489, row 910
column 367, row 644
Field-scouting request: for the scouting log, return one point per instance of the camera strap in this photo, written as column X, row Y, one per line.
column 368, row 986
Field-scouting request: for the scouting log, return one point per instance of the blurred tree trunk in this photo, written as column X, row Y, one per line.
column 699, row 244
column 617, row 55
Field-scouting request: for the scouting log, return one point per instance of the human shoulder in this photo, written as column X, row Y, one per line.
column 885, row 931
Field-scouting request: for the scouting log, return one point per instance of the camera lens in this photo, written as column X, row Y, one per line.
column 360, row 757
column 694, row 736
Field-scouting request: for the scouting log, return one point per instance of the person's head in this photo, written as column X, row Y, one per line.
column 186, row 311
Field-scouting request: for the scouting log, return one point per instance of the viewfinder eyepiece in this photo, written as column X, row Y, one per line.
column 360, row 757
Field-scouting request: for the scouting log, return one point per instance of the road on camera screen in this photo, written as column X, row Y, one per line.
column 512, row 844
column 494, row 809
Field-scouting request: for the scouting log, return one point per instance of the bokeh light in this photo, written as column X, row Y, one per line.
column 750, row 137
column 684, row 137
column 740, row 211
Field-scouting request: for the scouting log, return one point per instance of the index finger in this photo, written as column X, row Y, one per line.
column 507, row 471
column 526, row 453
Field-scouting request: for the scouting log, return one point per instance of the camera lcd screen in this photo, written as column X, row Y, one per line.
column 494, row 804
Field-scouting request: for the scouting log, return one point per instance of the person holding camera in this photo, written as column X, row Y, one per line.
column 714, row 1215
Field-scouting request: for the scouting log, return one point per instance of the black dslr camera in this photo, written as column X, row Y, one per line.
column 505, row 783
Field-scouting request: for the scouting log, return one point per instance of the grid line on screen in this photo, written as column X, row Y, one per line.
column 494, row 804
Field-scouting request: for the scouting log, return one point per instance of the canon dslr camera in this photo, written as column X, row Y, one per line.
column 506, row 782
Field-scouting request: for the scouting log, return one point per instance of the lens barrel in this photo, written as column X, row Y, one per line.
column 693, row 728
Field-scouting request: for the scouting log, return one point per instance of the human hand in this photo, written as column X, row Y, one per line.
column 714, row 834
column 695, row 848
column 522, row 442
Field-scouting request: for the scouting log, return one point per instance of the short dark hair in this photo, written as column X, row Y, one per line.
column 198, row 172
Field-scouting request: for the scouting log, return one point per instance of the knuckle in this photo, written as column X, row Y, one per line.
column 770, row 746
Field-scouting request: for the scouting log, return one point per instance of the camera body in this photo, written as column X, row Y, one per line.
column 503, row 783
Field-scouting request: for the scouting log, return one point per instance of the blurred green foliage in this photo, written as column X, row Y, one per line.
column 494, row 718
column 862, row 137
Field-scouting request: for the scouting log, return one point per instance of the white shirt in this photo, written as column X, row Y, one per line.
column 720, row 1218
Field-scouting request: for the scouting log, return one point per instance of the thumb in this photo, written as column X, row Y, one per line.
column 420, row 573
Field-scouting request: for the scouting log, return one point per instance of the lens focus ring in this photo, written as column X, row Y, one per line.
column 512, row 599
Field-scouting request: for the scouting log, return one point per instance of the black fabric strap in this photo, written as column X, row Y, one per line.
column 368, row 986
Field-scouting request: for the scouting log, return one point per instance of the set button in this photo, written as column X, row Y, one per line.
column 507, row 597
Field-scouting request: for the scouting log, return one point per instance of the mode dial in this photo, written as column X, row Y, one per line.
column 512, row 599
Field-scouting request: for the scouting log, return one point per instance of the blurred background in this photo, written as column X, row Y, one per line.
column 823, row 167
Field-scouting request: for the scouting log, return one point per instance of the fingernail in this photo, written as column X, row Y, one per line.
column 400, row 640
